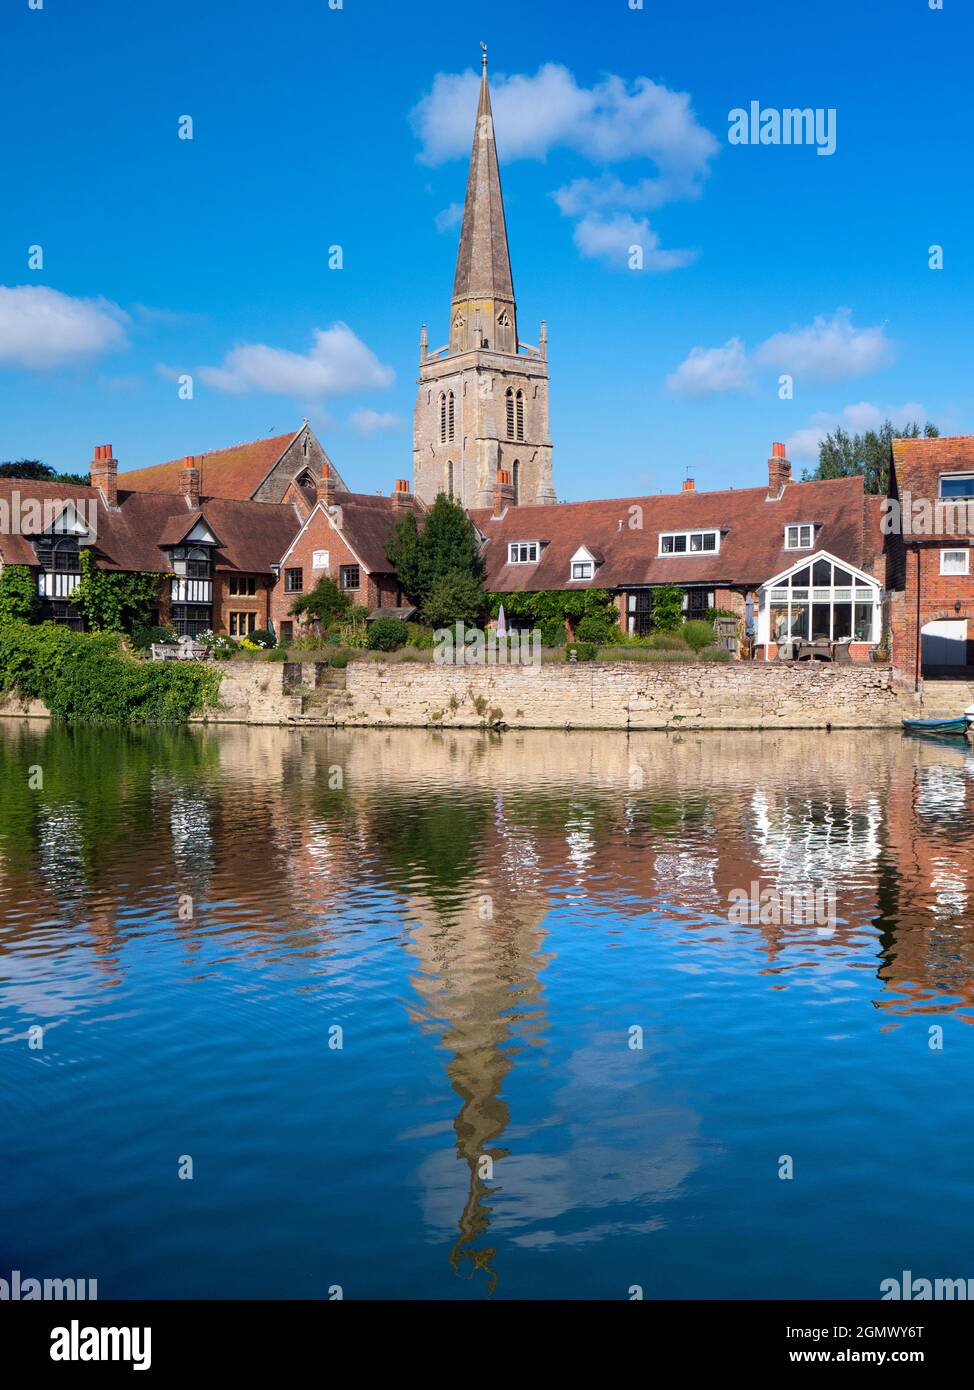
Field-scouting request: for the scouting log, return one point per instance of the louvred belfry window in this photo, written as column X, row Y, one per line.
column 519, row 414
column 510, row 413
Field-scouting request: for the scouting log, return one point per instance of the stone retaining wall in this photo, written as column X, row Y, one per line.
column 626, row 695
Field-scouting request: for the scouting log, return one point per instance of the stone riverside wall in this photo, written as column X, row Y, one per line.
column 622, row 695
column 738, row 695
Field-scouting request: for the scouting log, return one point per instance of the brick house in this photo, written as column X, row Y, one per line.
column 214, row 556
column 930, row 526
column 344, row 537
column 793, row 559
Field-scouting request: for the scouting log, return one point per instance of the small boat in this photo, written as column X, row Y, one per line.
column 957, row 727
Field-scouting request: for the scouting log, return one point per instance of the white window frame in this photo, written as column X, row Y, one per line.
column 587, row 566
column 955, row 550
column 514, row 548
column 317, row 563
column 800, row 526
column 697, row 531
column 968, row 475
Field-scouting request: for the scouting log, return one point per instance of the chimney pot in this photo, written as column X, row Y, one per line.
column 104, row 474
column 779, row 470
column 689, row 485
column 778, row 451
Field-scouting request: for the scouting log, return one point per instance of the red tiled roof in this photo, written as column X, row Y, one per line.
column 252, row 536
column 234, row 472
column 751, row 543
column 368, row 524
column 918, row 463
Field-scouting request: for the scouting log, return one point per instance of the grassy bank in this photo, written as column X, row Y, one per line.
column 82, row 676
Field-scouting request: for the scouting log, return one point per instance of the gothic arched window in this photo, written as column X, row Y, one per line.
column 449, row 481
column 510, row 412
column 516, row 481
column 519, row 411
column 450, row 417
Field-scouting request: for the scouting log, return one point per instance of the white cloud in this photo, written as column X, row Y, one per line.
column 708, row 370
column 337, row 363
column 855, row 419
column 367, row 422
column 824, row 350
column 828, row 349
column 43, row 328
column 613, row 120
column 449, row 217
column 612, row 239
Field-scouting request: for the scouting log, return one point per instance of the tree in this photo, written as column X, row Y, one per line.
column 325, row 603
column 454, row 598
column 447, row 548
column 34, row 471
column 841, row 455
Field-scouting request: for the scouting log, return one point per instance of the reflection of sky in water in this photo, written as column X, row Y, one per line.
column 504, row 1034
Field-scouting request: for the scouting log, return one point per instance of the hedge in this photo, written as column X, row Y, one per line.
column 81, row 676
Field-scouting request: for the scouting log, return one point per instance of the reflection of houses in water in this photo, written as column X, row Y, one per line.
column 61, row 853
column 820, row 838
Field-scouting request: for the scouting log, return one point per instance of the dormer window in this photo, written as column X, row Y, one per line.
column 689, row 542
column 581, row 567
column 800, row 536
column 954, row 485
column 522, row 552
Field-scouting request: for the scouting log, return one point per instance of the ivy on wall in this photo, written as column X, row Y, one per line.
column 18, row 594
column 113, row 600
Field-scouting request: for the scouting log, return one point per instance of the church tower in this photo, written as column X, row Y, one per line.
column 482, row 403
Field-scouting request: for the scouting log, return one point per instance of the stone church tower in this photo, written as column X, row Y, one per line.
column 482, row 403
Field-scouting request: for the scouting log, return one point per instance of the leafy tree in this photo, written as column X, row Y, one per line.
column 325, row 603
column 446, row 546
column 18, row 594
column 841, row 455
column 387, row 635
column 454, row 597
column 33, row 470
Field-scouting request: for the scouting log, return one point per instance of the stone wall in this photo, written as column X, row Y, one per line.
column 625, row 695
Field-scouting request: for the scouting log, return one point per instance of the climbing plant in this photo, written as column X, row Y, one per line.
column 115, row 601
column 18, row 594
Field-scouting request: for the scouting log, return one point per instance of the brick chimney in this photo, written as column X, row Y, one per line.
column 689, row 485
column 401, row 495
column 104, row 474
column 779, row 471
column 503, row 491
column 189, row 481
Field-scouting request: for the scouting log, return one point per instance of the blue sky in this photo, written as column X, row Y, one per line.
column 315, row 127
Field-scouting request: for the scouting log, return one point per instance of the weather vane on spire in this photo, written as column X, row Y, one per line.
column 484, row 49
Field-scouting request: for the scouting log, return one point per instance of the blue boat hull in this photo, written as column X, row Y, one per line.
column 937, row 726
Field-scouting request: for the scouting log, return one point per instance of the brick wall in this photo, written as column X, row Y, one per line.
column 938, row 596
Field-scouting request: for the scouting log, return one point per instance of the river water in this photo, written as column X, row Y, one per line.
column 418, row 1015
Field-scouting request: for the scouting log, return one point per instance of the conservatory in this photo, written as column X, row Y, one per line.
column 819, row 599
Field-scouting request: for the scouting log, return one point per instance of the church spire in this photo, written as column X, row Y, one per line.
column 483, row 291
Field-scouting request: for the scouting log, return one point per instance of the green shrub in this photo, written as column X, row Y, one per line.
column 262, row 638
column 387, row 635
column 666, row 642
column 339, row 661
column 584, row 651
column 597, row 627
column 420, row 637
column 667, row 608
column 454, row 597
column 698, row 634
column 82, row 676
column 144, row 638
column 713, row 654
column 553, row 632
column 276, row 654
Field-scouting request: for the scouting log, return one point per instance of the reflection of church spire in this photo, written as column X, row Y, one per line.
column 480, row 964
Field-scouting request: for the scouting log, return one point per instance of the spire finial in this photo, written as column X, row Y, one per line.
column 484, row 50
